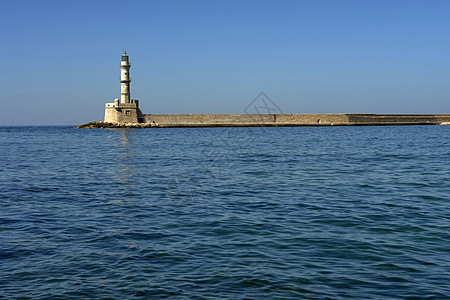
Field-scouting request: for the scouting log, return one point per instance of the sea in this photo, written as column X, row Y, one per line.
column 225, row 213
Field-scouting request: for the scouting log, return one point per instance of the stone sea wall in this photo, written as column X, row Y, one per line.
column 373, row 119
column 244, row 119
column 204, row 120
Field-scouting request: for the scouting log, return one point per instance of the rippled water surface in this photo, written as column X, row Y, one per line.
column 284, row 213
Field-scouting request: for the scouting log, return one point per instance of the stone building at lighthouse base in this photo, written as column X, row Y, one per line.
column 123, row 112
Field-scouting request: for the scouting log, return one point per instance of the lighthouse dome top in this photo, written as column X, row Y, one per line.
column 124, row 58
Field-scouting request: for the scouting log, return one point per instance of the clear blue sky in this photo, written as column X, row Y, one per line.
column 60, row 59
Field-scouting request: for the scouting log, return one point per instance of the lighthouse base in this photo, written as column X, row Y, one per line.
column 124, row 112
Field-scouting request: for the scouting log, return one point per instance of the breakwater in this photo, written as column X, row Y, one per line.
column 277, row 120
column 201, row 120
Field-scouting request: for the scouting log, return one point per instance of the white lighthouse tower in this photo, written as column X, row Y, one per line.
column 125, row 110
column 125, row 79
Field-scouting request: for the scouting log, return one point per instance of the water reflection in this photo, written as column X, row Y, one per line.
column 124, row 192
column 124, row 168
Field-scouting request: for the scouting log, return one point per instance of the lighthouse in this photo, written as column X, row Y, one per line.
column 125, row 78
column 125, row 109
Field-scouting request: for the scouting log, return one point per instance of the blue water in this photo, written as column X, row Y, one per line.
column 236, row 213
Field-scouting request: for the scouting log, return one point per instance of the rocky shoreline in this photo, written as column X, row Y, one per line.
column 101, row 124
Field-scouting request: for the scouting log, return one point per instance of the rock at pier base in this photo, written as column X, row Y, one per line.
column 101, row 124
